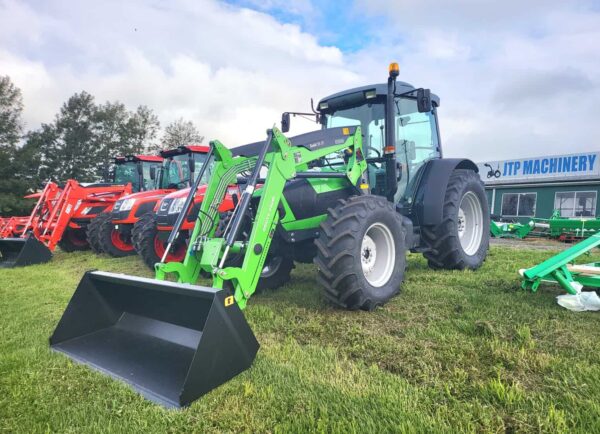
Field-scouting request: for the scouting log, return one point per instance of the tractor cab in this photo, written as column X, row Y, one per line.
column 137, row 170
column 395, row 156
column 401, row 151
column 179, row 163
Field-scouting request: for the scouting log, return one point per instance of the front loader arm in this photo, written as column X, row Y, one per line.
column 284, row 162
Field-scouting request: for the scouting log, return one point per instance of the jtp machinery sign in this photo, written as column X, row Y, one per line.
column 558, row 167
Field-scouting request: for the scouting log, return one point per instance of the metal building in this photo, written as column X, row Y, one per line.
column 535, row 187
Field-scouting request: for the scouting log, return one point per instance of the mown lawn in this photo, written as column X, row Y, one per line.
column 455, row 352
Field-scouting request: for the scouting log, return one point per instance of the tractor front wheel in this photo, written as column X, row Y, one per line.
column 113, row 242
column 151, row 247
column 361, row 253
column 462, row 239
column 92, row 231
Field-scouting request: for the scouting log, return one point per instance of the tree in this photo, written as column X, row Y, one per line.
column 12, row 187
column 11, row 108
column 121, row 132
column 73, row 153
column 80, row 143
column 179, row 133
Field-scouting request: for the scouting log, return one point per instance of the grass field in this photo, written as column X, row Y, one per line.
column 455, row 352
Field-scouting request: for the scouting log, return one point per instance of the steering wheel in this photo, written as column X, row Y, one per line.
column 374, row 149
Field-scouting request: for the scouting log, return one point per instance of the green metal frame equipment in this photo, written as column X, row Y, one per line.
column 562, row 270
column 510, row 229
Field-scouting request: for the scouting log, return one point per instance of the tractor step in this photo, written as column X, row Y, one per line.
column 19, row 252
column 171, row 342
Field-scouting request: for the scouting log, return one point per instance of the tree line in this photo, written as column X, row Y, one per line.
column 79, row 143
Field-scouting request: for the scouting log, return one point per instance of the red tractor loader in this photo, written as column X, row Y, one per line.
column 111, row 231
column 11, row 226
column 61, row 214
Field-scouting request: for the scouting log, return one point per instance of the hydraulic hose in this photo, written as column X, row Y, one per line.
column 186, row 206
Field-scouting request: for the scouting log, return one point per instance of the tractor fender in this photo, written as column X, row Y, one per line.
column 430, row 194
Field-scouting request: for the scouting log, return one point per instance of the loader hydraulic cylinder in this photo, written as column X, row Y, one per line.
column 186, row 206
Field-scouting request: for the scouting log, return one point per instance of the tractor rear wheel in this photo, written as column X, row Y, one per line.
column 92, row 231
column 361, row 253
column 73, row 240
column 113, row 242
column 462, row 239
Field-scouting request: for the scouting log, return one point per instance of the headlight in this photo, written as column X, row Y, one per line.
column 127, row 205
column 177, row 205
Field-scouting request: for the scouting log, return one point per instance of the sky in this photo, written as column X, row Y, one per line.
column 515, row 78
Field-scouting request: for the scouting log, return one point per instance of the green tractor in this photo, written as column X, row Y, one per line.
column 352, row 197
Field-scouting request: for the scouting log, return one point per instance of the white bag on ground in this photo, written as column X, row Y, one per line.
column 580, row 302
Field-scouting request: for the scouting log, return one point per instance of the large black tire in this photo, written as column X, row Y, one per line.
column 464, row 189
column 344, row 251
column 112, row 242
column 137, row 228
column 148, row 243
column 276, row 272
column 276, row 269
column 92, row 231
column 73, row 240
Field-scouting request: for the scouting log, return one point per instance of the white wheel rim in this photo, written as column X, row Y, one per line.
column 470, row 223
column 378, row 254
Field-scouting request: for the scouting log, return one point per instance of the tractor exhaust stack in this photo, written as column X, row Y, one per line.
column 171, row 342
column 19, row 252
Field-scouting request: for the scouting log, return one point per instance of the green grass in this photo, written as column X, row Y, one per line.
column 455, row 352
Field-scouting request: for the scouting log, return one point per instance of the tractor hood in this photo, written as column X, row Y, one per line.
column 150, row 194
column 184, row 192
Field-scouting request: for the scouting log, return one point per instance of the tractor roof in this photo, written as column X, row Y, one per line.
column 127, row 158
column 151, row 158
column 348, row 97
column 201, row 149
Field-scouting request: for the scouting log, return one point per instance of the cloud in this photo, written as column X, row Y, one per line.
column 515, row 79
column 230, row 70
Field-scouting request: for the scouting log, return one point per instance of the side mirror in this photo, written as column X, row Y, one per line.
column 285, row 122
column 192, row 164
column 424, row 100
column 153, row 172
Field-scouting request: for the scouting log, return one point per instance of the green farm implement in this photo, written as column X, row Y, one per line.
column 566, row 229
column 352, row 197
column 561, row 269
column 499, row 229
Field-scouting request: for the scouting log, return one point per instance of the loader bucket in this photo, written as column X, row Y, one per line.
column 18, row 252
column 172, row 342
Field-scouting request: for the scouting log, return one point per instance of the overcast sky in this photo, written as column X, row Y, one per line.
column 516, row 78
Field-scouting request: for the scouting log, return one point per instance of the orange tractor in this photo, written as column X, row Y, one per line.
column 151, row 231
column 61, row 214
column 111, row 232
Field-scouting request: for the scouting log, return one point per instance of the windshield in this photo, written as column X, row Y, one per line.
column 127, row 173
column 176, row 170
column 416, row 138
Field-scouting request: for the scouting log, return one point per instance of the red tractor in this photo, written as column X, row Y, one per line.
column 152, row 230
column 61, row 214
column 112, row 232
